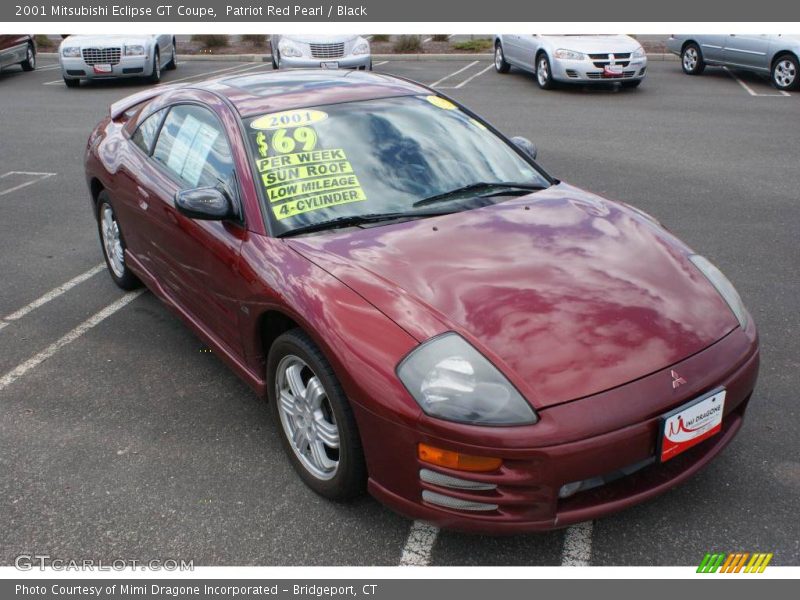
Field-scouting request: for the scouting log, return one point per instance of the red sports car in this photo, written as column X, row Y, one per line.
column 430, row 315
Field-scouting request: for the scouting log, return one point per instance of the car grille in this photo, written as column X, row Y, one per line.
column 604, row 56
column 101, row 56
column 599, row 75
column 327, row 50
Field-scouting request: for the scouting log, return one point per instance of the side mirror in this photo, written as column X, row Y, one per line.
column 525, row 145
column 205, row 203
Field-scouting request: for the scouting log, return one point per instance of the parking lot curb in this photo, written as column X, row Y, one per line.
column 404, row 57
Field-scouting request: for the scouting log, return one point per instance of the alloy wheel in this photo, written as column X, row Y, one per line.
column 784, row 73
column 307, row 417
column 112, row 241
column 690, row 59
column 542, row 73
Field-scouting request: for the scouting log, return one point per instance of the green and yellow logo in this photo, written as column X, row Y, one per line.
column 735, row 562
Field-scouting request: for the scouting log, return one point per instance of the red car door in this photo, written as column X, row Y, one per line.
column 195, row 261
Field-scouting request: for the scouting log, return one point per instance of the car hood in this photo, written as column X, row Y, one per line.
column 320, row 38
column 567, row 293
column 104, row 41
column 593, row 44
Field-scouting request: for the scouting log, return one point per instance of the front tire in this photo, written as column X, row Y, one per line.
column 113, row 244
column 173, row 62
column 544, row 74
column 276, row 60
column 786, row 73
column 500, row 64
column 692, row 61
column 317, row 428
column 631, row 84
column 72, row 83
column 155, row 76
column 29, row 64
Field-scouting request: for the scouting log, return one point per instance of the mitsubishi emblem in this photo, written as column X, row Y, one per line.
column 677, row 380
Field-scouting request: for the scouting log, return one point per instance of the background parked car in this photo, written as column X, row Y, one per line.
column 91, row 57
column 321, row 51
column 572, row 58
column 18, row 50
column 776, row 55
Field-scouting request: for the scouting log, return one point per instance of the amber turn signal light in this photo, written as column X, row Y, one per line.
column 457, row 460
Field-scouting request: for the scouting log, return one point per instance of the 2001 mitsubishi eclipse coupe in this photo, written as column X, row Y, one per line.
column 429, row 314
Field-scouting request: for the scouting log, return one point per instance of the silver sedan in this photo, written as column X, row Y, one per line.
column 585, row 59
column 773, row 55
column 321, row 52
column 89, row 57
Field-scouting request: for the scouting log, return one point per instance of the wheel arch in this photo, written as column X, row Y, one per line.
column 96, row 187
column 688, row 42
column 780, row 54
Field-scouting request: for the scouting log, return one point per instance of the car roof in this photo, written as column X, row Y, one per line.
column 259, row 93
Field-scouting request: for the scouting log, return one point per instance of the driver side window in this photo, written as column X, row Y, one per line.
column 192, row 146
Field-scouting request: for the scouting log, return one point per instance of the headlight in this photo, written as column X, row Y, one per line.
column 289, row 48
column 361, row 48
column 723, row 285
column 451, row 380
column 134, row 50
column 569, row 54
column 71, row 52
column 638, row 53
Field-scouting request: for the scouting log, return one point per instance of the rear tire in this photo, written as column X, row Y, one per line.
column 500, row 64
column 113, row 244
column 314, row 418
column 29, row 64
column 72, row 83
column 692, row 61
column 786, row 73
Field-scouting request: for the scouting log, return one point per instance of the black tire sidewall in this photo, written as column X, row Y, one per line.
column 504, row 66
column 350, row 478
column 29, row 65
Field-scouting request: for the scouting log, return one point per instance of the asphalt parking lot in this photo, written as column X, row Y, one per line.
column 125, row 438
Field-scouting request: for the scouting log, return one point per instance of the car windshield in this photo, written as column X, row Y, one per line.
column 337, row 164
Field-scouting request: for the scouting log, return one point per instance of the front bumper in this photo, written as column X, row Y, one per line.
column 592, row 71
column 128, row 66
column 603, row 436
column 362, row 61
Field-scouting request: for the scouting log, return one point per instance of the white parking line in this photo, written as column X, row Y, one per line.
column 419, row 544
column 378, row 64
column 577, row 550
column 750, row 90
column 468, row 79
column 36, row 178
column 207, row 73
column 51, row 295
column 454, row 73
column 70, row 337
column 48, row 68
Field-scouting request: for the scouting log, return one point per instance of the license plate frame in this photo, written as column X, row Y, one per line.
column 329, row 64
column 103, row 69
column 690, row 418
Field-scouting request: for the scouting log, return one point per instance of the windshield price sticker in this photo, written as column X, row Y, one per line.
column 304, row 205
column 288, row 119
column 307, row 181
column 441, row 102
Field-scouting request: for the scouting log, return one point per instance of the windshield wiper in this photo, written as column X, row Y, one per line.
column 480, row 189
column 353, row 220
